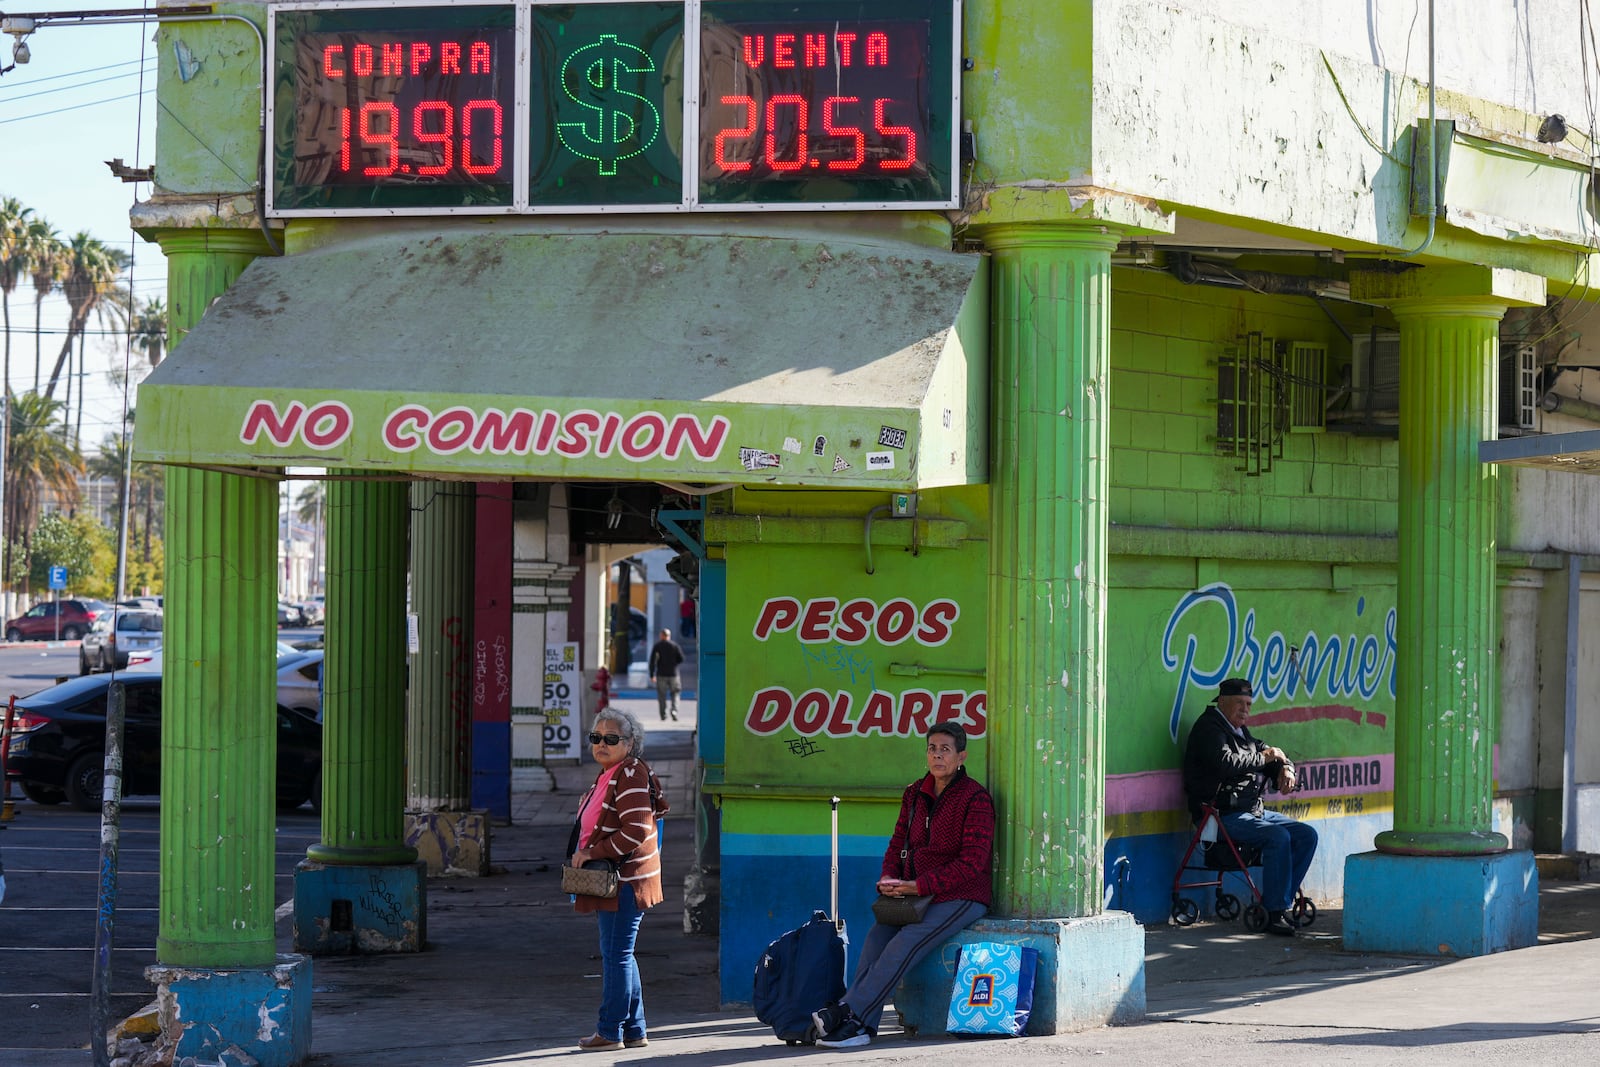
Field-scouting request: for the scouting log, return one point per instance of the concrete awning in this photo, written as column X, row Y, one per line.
column 1578, row 451
column 797, row 360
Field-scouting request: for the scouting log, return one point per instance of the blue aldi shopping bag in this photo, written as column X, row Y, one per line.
column 993, row 991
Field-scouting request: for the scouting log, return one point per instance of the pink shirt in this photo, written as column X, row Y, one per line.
column 590, row 817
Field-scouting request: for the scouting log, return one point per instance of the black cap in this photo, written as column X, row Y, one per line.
column 1235, row 687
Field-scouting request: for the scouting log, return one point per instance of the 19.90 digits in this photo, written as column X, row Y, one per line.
column 377, row 128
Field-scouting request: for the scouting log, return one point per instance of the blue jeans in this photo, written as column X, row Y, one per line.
column 621, row 995
column 890, row 951
column 1287, row 847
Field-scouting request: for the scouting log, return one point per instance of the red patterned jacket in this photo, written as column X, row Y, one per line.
column 948, row 840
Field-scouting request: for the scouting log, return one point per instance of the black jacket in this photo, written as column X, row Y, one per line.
column 1222, row 768
column 665, row 658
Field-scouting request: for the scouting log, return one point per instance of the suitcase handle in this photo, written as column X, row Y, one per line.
column 833, row 867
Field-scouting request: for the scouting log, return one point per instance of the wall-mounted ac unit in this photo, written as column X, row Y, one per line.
column 1375, row 373
column 1519, row 396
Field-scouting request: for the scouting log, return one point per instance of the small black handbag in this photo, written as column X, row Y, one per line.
column 900, row 911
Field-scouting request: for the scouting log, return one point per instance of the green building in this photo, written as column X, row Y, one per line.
column 1034, row 364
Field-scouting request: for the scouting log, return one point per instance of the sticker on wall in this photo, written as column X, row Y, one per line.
column 819, row 447
column 891, row 437
column 791, row 444
column 839, row 464
column 754, row 459
column 880, row 461
column 947, row 418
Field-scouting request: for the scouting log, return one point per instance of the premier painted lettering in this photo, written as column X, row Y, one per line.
column 1320, row 665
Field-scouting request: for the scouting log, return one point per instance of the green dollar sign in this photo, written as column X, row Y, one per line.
column 612, row 133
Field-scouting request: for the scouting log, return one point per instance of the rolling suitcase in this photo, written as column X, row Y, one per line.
column 804, row 969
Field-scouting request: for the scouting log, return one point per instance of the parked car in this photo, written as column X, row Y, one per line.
column 301, row 691
column 57, row 747
column 311, row 608
column 290, row 615
column 149, row 660
column 114, row 636
column 39, row 622
column 300, row 682
column 145, row 603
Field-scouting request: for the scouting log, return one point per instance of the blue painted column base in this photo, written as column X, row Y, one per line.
column 1091, row 973
column 358, row 909
column 1440, row 905
column 214, row 1014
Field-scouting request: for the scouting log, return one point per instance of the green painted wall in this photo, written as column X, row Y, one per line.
column 830, row 667
column 1166, row 338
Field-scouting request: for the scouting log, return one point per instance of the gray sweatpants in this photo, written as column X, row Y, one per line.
column 890, row 951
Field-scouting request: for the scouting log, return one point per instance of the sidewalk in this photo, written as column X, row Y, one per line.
column 511, row 977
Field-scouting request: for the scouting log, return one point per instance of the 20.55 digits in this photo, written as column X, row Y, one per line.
column 470, row 141
column 791, row 135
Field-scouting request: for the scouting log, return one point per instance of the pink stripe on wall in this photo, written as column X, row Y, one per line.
column 1127, row 794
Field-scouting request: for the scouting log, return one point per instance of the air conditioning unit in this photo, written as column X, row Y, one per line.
column 1519, row 386
column 1375, row 373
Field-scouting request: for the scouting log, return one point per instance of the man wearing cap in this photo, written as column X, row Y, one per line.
column 1226, row 766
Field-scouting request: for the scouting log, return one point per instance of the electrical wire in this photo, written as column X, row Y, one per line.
column 72, row 74
column 70, row 88
column 74, row 107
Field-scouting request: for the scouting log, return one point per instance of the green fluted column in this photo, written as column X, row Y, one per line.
column 363, row 677
column 1046, row 657
column 219, row 725
column 1447, row 695
column 219, row 721
column 439, row 702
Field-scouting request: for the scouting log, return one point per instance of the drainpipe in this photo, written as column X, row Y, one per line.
column 1571, row 405
column 1433, row 150
column 1569, row 754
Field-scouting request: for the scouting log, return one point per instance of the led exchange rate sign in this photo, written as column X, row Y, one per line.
column 596, row 105
column 395, row 108
column 836, row 102
column 599, row 114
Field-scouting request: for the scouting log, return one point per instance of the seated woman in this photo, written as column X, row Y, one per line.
column 943, row 847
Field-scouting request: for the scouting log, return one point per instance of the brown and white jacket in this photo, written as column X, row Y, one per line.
column 627, row 833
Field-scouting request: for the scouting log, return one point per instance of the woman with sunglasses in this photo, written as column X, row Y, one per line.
column 617, row 822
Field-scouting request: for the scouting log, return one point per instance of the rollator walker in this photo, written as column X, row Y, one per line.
column 1218, row 857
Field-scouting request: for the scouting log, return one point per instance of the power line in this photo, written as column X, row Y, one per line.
column 75, row 107
column 78, row 85
column 74, row 73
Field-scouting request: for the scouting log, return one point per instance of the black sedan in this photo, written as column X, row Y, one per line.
column 57, row 747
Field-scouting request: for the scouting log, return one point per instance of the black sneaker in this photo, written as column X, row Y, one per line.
column 850, row 1034
column 1278, row 923
column 828, row 1019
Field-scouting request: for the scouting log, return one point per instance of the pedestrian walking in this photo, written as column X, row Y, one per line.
column 665, row 659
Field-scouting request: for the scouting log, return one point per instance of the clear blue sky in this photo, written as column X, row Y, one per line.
column 75, row 105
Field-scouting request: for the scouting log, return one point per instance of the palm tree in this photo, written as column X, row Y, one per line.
column 46, row 262
column 148, row 330
column 14, row 219
column 90, row 286
column 111, row 462
column 40, row 458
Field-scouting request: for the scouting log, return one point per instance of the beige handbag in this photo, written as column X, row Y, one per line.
column 597, row 878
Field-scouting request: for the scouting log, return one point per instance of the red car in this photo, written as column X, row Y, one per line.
column 39, row 624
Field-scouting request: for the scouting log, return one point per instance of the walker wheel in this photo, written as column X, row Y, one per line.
column 1304, row 912
column 1184, row 911
column 1255, row 918
column 1227, row 906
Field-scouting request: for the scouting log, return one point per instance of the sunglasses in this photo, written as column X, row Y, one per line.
column 605, row 739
